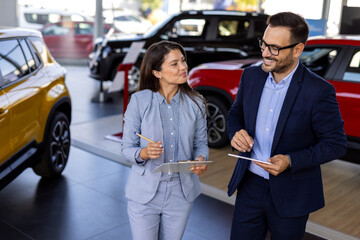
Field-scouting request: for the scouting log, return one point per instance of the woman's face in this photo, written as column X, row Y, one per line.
column 173, row 70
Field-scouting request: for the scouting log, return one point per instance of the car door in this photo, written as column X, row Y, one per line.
column 339, row 64
column 22, row 93
column 5, row 148
column 59, row 38
column 347, row 85
column 83, row 39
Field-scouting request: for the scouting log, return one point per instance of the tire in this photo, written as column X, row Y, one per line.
column 216, row 122
column 133, row 76
column 56, row 148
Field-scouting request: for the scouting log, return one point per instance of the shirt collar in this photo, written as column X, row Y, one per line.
column 286, row 80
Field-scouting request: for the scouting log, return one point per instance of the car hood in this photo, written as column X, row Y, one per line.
column 231, row 64
column 126, row 37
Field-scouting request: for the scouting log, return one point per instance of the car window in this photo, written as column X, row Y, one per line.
column 188, row 27
column 28, row 56
column 83, row 28
column 31, row 45
column 352, row 72
column 121, row 18
column 133, row 18
column 73, row 17
column 56, row 30
column 13, row 64
column 42, row 18
column 318, row 59
column 40, row 47
column 233, row 28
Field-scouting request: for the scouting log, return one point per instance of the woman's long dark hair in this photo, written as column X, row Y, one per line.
column 153, row 59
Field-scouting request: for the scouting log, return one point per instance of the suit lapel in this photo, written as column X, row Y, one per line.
column 289, row 100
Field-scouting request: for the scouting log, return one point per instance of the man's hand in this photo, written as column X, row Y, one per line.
column 242, row 141
column 279, row 164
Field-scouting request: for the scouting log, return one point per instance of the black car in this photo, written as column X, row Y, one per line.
column 208, row 35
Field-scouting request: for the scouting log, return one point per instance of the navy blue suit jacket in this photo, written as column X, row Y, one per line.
column 309, row 129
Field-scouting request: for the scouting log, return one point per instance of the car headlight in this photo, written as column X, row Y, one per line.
column 106, row 52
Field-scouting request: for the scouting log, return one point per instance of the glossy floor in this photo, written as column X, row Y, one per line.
column 88, row 202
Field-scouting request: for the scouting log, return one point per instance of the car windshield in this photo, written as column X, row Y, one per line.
column 155, row 28
column 318, row 59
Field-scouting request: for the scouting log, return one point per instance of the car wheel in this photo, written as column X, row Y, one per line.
column 216, row 122
column 56, row 147
column 134, row 78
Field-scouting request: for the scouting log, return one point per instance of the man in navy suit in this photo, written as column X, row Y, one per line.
column 288, row 116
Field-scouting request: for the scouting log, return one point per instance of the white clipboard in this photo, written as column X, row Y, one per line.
column 181, row 166
column 246, row 158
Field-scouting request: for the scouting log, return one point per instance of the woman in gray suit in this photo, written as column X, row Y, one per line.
column 168, row 111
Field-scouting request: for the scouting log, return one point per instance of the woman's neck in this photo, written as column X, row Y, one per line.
column 169, row 92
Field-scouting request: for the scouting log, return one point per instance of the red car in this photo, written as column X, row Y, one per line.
column 337, row 59
column 70, row 39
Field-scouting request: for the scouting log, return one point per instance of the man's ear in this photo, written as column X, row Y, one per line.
column 298, row 49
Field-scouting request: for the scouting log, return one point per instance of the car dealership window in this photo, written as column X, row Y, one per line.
column 12, row 61
column 352, row 72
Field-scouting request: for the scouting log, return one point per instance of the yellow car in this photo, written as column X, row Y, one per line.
column 35, row 107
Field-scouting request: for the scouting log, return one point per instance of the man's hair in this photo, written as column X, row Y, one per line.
column 299, row 29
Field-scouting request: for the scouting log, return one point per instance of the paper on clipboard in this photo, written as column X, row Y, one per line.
column 246, row 158
column 182, row 166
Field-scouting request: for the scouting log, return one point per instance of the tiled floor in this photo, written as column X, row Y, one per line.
column 88, row 201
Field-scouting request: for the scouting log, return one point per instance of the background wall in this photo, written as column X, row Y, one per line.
column 7, row 10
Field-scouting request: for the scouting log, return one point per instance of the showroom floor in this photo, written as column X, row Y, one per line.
column 88, row 201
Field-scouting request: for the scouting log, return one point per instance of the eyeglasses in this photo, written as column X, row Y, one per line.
column 274, row 50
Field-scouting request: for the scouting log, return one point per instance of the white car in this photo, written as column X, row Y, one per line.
column 37, row 18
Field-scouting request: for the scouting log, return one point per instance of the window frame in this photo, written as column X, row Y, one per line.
column 29, row 71
column 355, row 50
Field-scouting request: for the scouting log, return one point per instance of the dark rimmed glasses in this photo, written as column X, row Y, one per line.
column 274, row 50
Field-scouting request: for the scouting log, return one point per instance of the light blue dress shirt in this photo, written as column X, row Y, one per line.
column 169, row 114
column 271, row 102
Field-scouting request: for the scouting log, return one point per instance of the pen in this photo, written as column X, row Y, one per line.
column 144, row 137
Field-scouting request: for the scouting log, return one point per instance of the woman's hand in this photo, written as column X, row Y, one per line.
column 198, row 170
column 152, row 151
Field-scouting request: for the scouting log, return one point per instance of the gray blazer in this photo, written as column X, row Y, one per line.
column 143, row 116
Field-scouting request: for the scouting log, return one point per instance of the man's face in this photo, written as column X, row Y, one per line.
column 285, row 61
